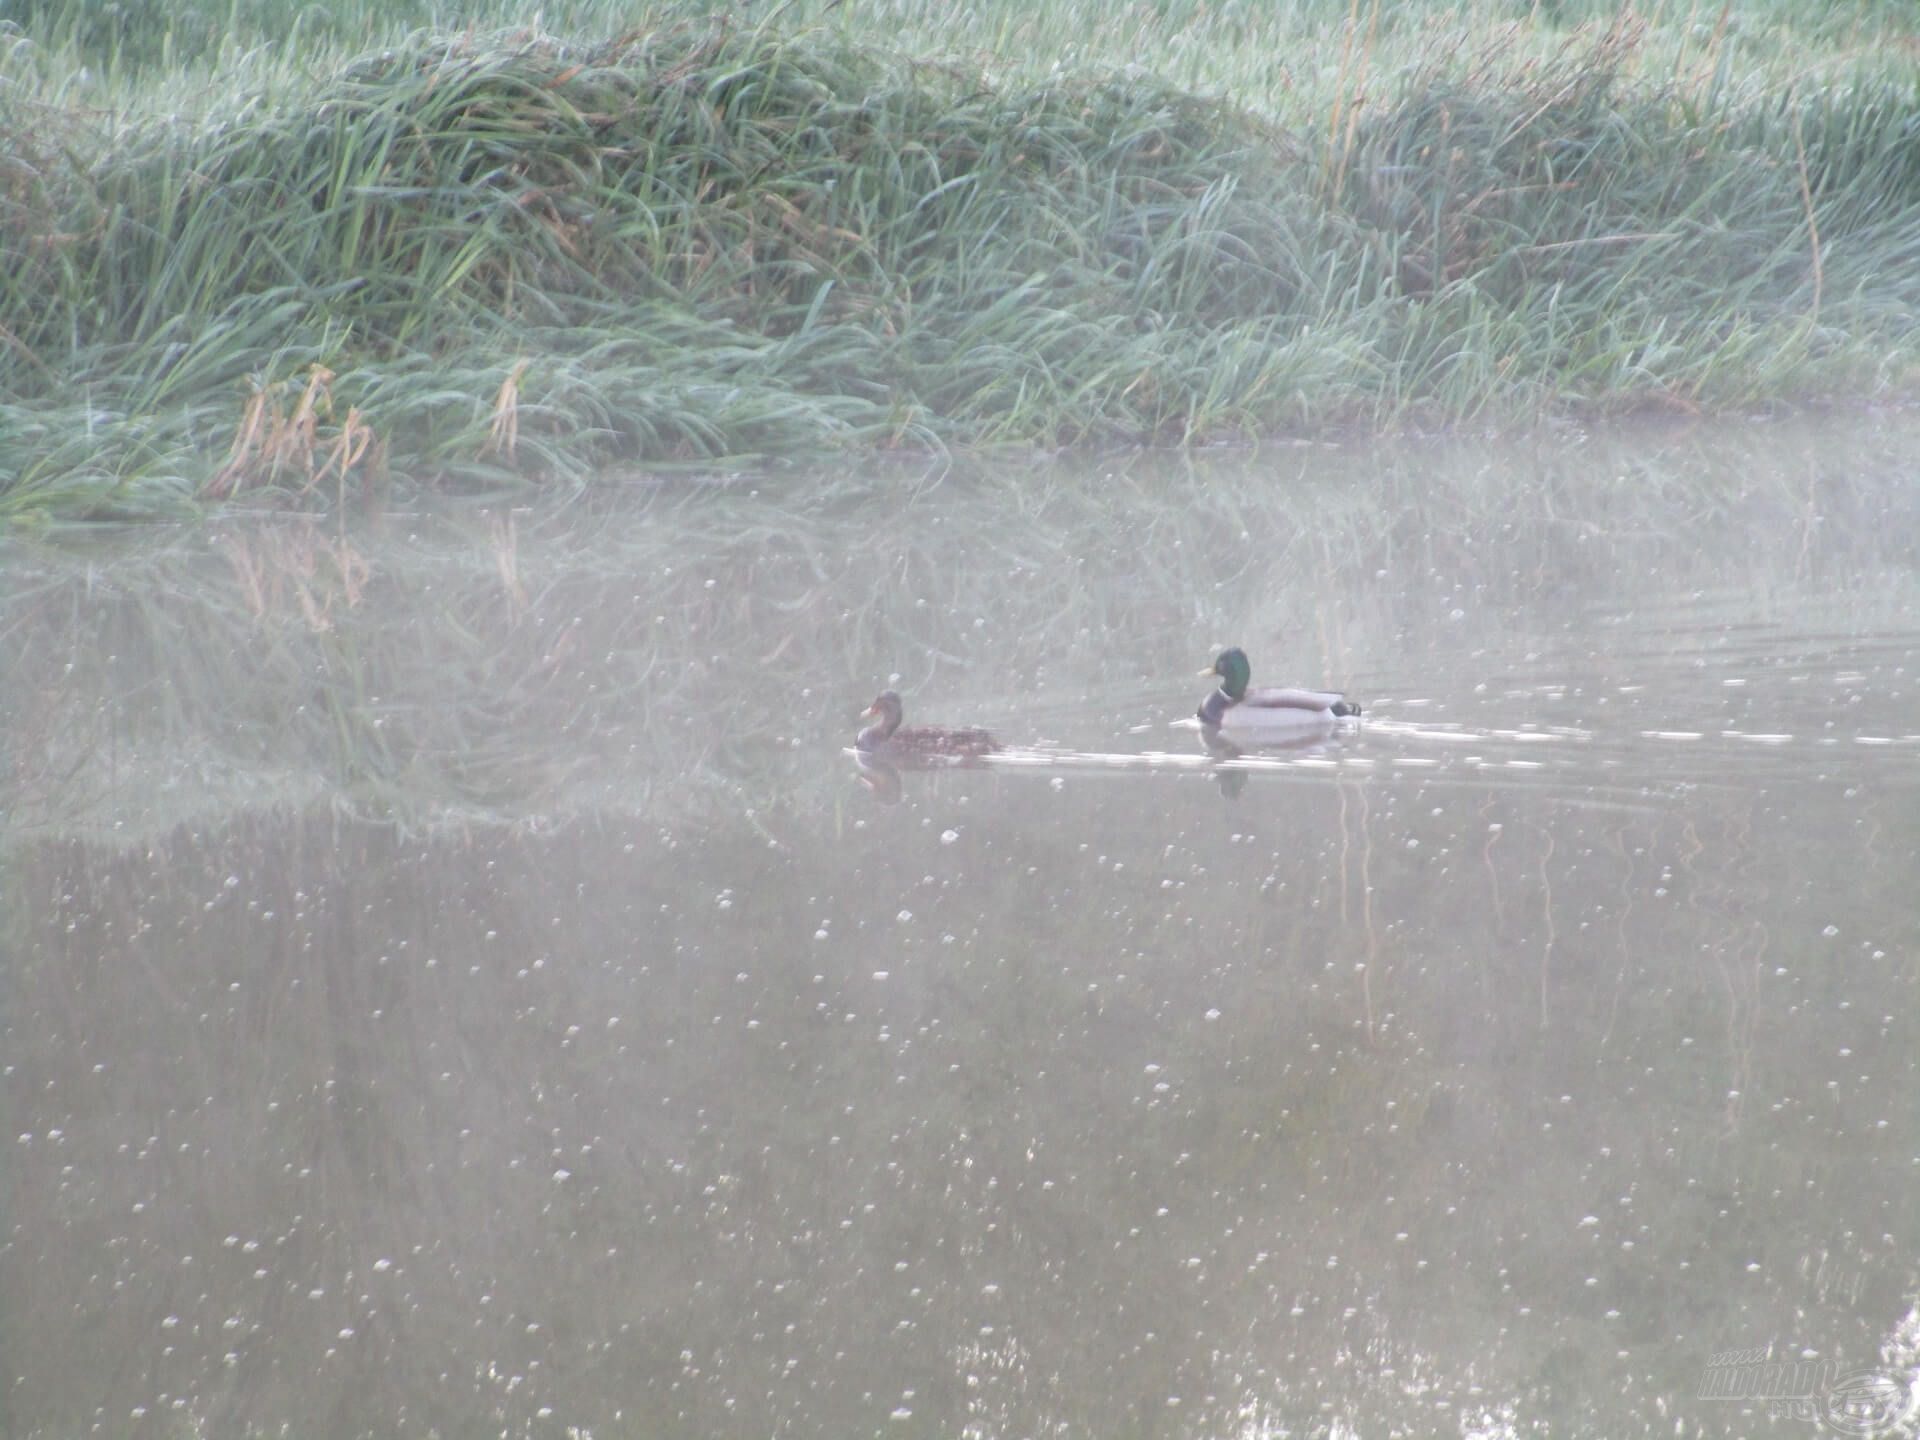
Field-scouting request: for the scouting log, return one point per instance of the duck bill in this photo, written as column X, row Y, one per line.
column 1209, row 672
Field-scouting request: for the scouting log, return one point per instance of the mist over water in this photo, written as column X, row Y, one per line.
column 458, row 982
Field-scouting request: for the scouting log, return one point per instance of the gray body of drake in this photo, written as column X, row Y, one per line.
column 1275, row 707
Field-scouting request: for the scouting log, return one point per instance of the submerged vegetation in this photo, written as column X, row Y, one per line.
column 344, row 253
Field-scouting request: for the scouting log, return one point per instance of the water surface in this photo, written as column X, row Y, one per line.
column 458, row 983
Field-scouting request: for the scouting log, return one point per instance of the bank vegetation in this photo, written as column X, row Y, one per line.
column 334, row 254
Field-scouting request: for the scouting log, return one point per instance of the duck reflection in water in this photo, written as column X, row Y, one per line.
column 1233, row 778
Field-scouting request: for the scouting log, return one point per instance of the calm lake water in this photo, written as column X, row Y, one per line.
column 456, row 982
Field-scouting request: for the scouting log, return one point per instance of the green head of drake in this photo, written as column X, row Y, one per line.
column 1234, row 672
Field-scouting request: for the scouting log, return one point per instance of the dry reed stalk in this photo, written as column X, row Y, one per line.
column 269, row 441
column 503, row 434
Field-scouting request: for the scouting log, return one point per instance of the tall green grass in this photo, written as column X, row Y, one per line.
column 345, row 256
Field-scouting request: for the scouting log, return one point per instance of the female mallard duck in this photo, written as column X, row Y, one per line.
column 1234, row 709
column 885, row 737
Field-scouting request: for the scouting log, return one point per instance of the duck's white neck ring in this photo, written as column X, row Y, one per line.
column 1214, row 708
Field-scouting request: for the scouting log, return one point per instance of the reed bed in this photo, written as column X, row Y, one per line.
column 338, row 257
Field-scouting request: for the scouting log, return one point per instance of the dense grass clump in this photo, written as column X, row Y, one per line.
column 479, row 259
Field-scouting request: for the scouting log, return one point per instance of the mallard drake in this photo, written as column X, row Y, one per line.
column 885, row 737
column 1234, row 709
